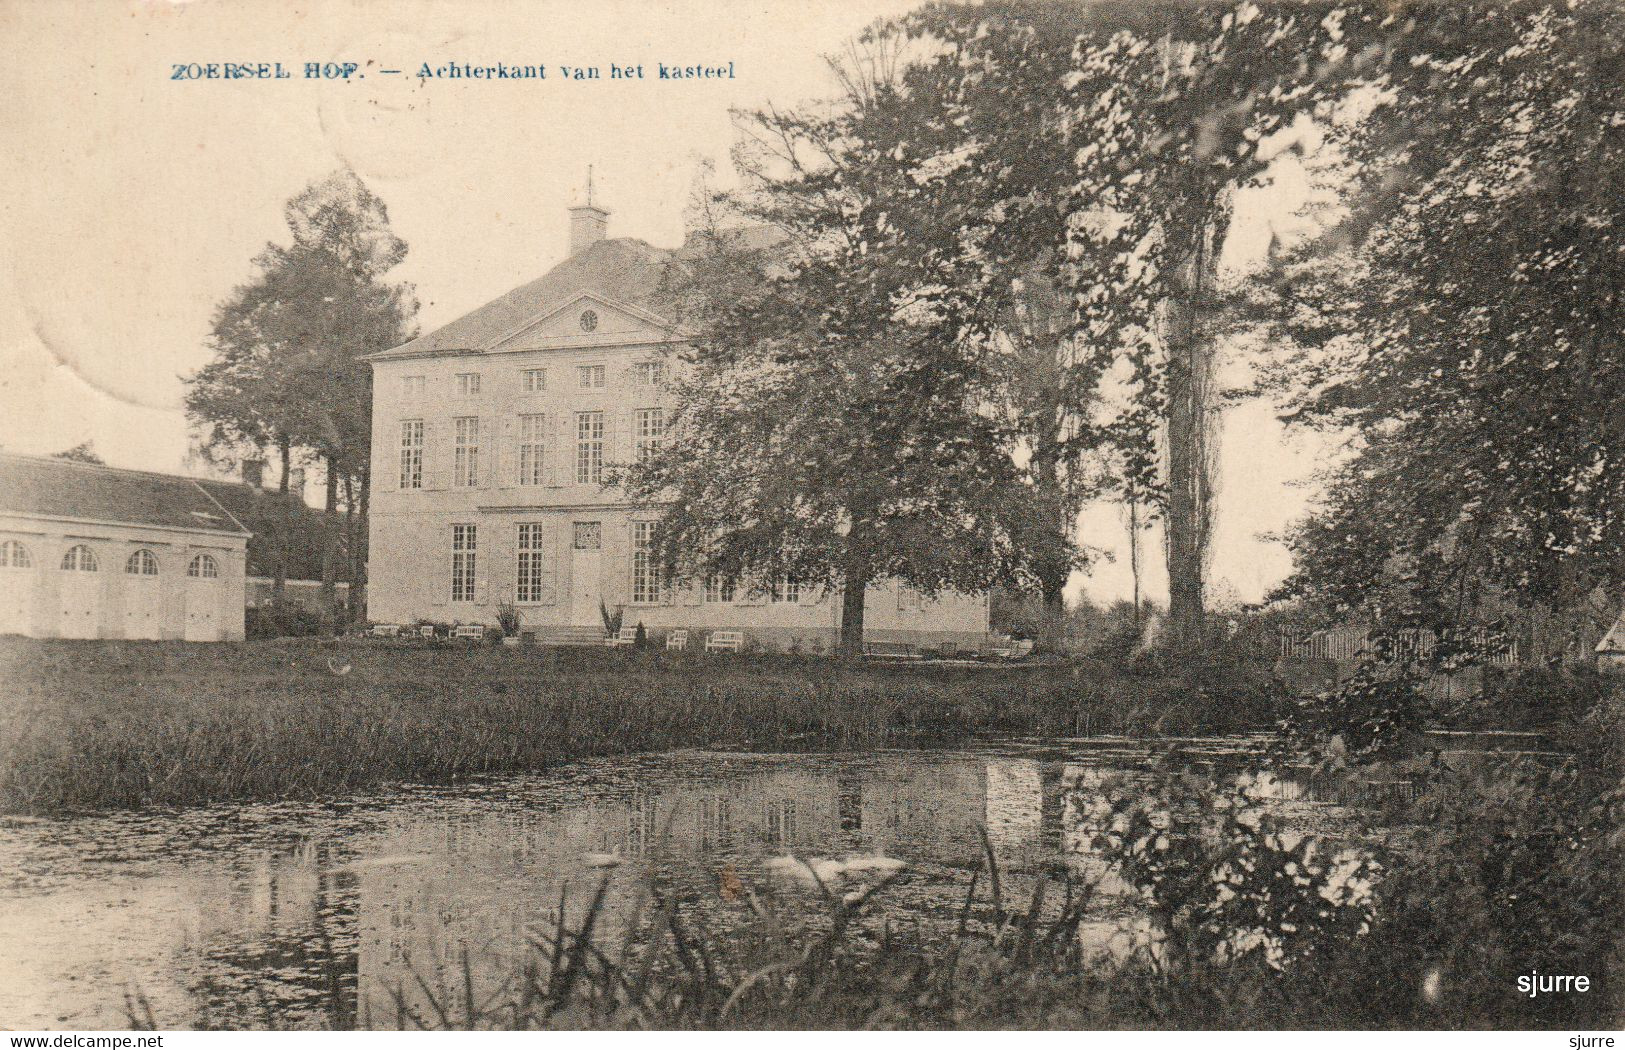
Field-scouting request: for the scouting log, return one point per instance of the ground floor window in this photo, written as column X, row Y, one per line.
column 647, row 586
column 79, row 559
column 530, row 578
column 464, row 544
column 786, row 591
column 719, row 589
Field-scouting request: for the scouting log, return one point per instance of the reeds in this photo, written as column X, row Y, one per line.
column 129, row 724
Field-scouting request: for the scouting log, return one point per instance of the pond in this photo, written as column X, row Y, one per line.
column 309, row 914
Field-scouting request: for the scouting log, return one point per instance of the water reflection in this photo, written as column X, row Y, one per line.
column 320, row 915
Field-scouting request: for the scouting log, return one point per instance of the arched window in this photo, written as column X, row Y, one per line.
column 13, row 555
column 203, row 567
column 142, row 563
column 79, row 559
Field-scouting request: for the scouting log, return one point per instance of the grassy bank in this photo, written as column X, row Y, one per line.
column 91, row 725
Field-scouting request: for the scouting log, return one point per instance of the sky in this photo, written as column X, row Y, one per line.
column 132, row 203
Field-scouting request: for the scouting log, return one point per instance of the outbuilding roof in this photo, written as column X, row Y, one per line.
column 58, row 488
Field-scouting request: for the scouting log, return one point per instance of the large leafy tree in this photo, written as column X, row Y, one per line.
column 288, row 346
column 834, row 421
column 1111, row 138
column 1464, row 324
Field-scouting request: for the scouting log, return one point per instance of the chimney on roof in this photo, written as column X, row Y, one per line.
column 254, row 473
column 588, row 222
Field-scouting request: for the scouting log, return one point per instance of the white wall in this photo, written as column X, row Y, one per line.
column 39, row 588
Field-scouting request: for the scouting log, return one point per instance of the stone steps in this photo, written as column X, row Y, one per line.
column 567, row 635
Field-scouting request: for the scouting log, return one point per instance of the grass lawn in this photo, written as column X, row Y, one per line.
column 93, row 725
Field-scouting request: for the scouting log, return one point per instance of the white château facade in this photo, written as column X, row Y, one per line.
column 491, row 437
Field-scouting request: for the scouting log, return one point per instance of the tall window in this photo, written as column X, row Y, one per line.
column 651, row 432
column 463, row 544
column 719, row 589
column 466, row 465
column 203, row 567
column 13, row 555
column 141, row 563
column 650, row 373
column 79, row 559
column 533, row 380
column 647, row 586
column 786, row 591
column 468, row 384
column 532, row 449
column 589, row 448
column 592, row 376
column 412, row 454
column 532, row 569
column 412, row 386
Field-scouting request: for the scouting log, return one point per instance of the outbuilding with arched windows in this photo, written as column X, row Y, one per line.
column 88, row 551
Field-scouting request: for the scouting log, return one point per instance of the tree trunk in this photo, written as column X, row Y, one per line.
column 855, row 586
column 358, row 549
column 279, row 585
column 330, row 538
column 349, row 549
column 1134, row 557
column 1191, row 417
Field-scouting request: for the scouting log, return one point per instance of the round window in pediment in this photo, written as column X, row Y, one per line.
column 589, row 320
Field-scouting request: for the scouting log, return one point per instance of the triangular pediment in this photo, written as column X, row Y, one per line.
column 586, row 319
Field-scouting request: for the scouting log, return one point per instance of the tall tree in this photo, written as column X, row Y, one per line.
column 1120, row 132
column 830, row 427
column 288, row 368
column 1464, row 324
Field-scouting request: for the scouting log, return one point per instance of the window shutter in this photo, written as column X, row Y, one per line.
column 386, row 467
column 563, row 542
column 436, row 454
column 625, row 436
column 549, row 577
column 562, row 454
column 750, row 592
column 507, row 452
column 440, row 557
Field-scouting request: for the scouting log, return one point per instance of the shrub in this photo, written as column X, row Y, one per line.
column 286, row 619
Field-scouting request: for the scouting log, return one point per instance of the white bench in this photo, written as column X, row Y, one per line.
column 677, row 639
column 1010, row 649
column 891, row 651
column 469, row 630
column 725, row 641
column 385, row 630
column 426, row 631
column 625, row 636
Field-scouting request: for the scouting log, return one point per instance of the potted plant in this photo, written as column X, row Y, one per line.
column 612, row 621
column 508, row 620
